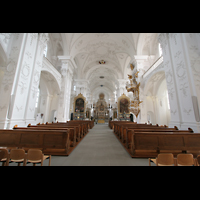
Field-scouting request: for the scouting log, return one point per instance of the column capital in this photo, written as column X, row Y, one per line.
column 67, row 65
column 140, row 59
column 44, row 38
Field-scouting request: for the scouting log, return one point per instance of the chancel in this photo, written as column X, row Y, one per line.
column 83, row 83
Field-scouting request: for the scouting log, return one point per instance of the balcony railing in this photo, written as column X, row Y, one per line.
column 153, row 66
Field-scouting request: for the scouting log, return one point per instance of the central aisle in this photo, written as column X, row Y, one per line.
column 99, row 147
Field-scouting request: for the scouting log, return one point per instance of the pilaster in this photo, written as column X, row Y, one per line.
column 65, row 94
column 23, row 97
column 35, row 78
column 122, row 87
column 81, row 86
column 22, row 80
column 179, row 82
column 139, row 65
column 9, row 80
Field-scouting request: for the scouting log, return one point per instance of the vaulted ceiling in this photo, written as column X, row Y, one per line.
column 116, row 49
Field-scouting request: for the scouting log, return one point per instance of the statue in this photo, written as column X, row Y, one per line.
column 132, row 66
column 133, row 86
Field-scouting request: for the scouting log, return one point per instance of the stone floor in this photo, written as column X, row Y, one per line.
column 99, row 147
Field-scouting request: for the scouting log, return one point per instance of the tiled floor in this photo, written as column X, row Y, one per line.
column 99, row 147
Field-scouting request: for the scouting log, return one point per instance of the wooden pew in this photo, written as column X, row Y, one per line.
column 123, row 129
column 75, row 135
column 118, row 127
column 117, row 124
column 80, row 127
column 72, row 131
column 146, row 144
column 111, row 123
column 81, row 122
column 128, row 133
column 89, row 123
column 83, row 126
column 52, row 142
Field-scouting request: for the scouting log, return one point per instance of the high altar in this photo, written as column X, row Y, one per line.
column 101, row 111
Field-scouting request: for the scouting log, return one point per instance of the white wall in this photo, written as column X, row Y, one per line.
column 155, row 99
column 23, row 68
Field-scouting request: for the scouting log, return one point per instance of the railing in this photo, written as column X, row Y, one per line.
column 153, row 66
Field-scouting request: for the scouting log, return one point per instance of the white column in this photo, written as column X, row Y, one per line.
column 139, row 64
column 35, row 78
column 122, row 87
column 69, row 85
column 26, row 81
column 65, row 94
column 47, row 109
column 180, row 83
column 143, row 110
column 23, row 81
column 10, row 71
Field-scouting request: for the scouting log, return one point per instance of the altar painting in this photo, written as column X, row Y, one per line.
column 124, row 104
column 79, row 105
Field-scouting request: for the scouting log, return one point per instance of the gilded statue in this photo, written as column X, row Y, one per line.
column 133, row 86
column 132, row 66
column 130, row 76
column 136, row 74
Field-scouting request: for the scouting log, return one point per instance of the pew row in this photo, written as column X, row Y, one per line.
column 118, row 128
column 80, row 128
column 146, row 144
column 111, row 124
column 51, row 142
column 90, row 123
column 74, row 135
column 127, row 134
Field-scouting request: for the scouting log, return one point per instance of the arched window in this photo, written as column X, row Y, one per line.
column 37, row 98
column 45, row 51
column 159, row 49
column 168, row 105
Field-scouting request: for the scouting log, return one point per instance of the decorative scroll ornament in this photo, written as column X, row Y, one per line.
column 133, row 86
column 135, row 111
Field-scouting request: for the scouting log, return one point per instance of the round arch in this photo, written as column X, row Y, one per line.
column 48, row 97
column 52, row 77
column 153, row 82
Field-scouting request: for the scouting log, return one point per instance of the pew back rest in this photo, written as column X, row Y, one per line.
column 166, row 141
column 78, row 127
column 128, row 130
column 34, row 138
column 71, row 129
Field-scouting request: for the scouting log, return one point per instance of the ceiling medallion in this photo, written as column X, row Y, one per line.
column 102, row 62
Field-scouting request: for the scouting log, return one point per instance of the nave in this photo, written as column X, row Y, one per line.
column 99, row 147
